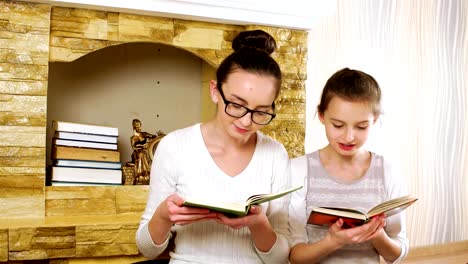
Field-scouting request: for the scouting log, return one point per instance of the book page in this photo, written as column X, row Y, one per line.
column 262, row 198
column 393, row 206
column 237, row 209
column 340, row 212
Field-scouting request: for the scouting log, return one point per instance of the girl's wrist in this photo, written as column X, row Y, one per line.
column 262, row 220
column 331, row 243
column 159, row 229
column 381, row 236
column 161, row 216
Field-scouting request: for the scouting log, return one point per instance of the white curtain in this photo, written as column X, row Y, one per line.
column 418, row 52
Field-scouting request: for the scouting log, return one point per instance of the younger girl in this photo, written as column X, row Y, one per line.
column 344, row 174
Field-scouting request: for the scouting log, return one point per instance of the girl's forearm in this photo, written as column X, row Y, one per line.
column 159, row 229
column 388, row 248
column 263, row 235
column 303, row 253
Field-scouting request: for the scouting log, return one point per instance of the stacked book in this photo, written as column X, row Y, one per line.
column 85, row 154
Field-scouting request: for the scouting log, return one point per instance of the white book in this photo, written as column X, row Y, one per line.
column 60, row 183
column 85, row 128
column 86, row 137
column 88, row 164
column 86, row 175
column 84, row 144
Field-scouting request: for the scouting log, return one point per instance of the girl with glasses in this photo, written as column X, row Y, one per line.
column 228, row 159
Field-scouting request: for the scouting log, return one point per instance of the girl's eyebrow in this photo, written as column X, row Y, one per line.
column 245, row 102
column 359, row 122
column 336, row 120
column 239, row 98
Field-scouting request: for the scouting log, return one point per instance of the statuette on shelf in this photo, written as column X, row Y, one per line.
column 143, row 144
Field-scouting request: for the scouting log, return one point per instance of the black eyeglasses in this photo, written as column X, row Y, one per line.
column 237, row 110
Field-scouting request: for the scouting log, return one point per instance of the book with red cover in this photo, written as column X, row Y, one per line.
column 326, row 216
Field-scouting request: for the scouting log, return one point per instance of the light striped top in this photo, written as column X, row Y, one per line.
column 184, row 166
column 378, row 184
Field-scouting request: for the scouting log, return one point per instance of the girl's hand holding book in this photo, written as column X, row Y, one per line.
column 341, row 236
column 173, row 211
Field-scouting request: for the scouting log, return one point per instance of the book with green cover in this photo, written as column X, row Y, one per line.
column 237, row 209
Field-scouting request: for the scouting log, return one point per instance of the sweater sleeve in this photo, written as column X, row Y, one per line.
column 396, row 224
column 297, row 206
column 162, row 184
column 277, row 211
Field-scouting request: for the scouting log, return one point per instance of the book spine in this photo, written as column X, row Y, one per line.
column 87, row 164
column 73, row 153
column 86, row 137
column 66, row 174
column 84, row 144
column 85, row 128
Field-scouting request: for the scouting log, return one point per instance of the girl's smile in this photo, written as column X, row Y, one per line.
column 345, row 147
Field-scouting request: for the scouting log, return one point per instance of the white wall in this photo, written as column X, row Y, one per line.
column 417, row 51
column 158, row 84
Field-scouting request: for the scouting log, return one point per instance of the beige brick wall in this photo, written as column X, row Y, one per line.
column 31, row 35
column 24, row 52
column 77, row 32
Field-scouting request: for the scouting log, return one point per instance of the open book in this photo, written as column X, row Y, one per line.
column 326, row 216
column 237, row 209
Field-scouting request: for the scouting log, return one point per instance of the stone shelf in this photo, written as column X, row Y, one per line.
column 68, row 237
column 79, row 222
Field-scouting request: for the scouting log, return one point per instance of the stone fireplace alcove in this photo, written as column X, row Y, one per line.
column 165, row 87
column 45, row 222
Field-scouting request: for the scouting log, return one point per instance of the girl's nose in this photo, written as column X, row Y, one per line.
column 246, row 120
column 349, row 136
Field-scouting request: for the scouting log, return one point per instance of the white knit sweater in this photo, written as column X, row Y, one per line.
column 184, row 166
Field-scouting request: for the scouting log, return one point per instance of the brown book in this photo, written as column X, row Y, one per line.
column 72, row 153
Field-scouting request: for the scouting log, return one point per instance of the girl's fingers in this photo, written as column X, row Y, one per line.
column 186, row 222
column 174, row 211
column 175, row 199
column 361, row 233
column 192, row 218
column 378, row 223
column 255, row 209
column 235, row 222
column 193, row 210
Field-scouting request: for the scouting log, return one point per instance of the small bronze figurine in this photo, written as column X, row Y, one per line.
column 143, row 145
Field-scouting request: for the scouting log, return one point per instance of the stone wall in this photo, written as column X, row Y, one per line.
column 33, row 34
column 25, row 30
column 24, row 55
column 77, row 32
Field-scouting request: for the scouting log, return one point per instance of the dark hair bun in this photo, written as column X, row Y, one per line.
column 257, row 39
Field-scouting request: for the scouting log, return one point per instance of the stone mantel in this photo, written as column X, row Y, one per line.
column 294, row 14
